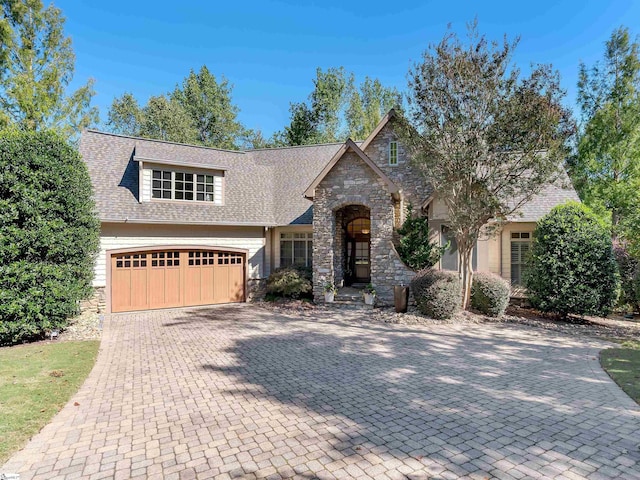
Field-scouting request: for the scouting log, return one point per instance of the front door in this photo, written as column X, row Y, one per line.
column 362, row 263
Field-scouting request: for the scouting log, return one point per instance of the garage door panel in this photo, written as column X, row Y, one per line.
column 174, row 278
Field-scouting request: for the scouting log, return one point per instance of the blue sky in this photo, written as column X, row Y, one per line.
column 269, row 50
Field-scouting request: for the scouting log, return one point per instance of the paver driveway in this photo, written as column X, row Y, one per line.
column 236, row 391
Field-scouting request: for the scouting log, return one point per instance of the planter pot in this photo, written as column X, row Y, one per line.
column 369, row 298
column 329, row 297
column 401, row 298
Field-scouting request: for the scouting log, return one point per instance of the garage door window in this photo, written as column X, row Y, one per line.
column 168, row 259
column 131, row 261
column 201, row 258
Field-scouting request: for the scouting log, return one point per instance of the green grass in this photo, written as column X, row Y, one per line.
column 36, row 381
column 623, row 365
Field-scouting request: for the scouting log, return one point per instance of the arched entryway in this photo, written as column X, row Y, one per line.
column 353, row 245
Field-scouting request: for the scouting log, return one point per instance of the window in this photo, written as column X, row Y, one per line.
column 393, row 153
column 171, row 185
column 520, row 244
column 296, row 249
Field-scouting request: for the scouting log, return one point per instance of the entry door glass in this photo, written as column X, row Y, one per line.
column 362, row 261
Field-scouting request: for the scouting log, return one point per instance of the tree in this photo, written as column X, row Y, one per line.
column 485, row 139
column 125, row 115
column 208, row 104
column 49, row 233
column 165, row 119
column 337, row 109
column 606, row 169
column 368, row 105
column 199, row 111
column 572, row 268
column 415, row 247
column 37, row 67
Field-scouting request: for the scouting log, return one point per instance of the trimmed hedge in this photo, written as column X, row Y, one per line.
column 438, row 293
column 49, row 234
column 572, row 268
column 290, row 282
column 490, row 294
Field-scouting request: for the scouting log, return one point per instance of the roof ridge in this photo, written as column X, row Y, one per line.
column 204, row 147
column 298, row 146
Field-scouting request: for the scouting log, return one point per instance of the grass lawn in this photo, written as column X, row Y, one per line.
column 36, row 381
column 623, row 365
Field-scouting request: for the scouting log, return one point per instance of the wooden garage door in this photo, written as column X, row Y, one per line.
column 175, row 278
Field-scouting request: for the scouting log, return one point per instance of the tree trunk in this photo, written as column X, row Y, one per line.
column 465, row 270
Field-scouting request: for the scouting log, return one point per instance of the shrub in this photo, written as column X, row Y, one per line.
column 290, row 282
column 636, row 289
column 415, row 248
column 571, row 268
column 48, row 234
column 490, row 294
column 438, row 293
column 628, row 268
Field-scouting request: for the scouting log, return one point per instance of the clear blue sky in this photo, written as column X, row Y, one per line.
column 269, row 50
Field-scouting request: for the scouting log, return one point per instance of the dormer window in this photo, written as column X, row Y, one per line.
column 393, row 153
column 181, row 185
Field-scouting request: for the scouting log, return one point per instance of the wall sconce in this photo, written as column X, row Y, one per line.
column 366, row 231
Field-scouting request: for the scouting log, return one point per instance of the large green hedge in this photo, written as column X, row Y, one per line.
column 572, row 268
column 49, row 234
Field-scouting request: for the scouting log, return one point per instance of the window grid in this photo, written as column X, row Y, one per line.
column 520, row 245
column 172, row 185
column 168, row 259
column 296, row 249
column 393, row 153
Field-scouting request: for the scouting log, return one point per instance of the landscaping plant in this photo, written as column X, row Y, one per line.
column 490, row 294
column 290, row 282
column 48, row 234
column 437, row 293
column 415, row 248
column 572, row 268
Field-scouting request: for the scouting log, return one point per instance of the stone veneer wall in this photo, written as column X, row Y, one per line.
column 352, row 182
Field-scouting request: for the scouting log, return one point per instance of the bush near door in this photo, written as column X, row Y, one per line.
column 437, row 293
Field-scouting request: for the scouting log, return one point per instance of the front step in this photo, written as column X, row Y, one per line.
column 348, row 305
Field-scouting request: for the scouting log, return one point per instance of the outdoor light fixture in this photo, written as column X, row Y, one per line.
column 365, row 231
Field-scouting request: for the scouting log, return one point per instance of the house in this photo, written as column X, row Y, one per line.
column 185, row 225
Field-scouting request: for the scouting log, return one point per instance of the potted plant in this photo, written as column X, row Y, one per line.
column 369, row 294
column 330, row 291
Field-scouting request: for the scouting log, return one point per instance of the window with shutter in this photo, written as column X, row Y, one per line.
column 519, row 251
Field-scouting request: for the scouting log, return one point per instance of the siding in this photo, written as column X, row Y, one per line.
column 119, row 235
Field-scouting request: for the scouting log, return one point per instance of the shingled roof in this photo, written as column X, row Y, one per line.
column 263, row 187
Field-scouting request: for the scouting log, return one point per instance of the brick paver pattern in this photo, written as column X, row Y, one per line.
column 240, row 392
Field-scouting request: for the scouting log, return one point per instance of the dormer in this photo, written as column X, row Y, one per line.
column 163, row 180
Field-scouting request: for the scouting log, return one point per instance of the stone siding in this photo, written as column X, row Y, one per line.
column 353, row 183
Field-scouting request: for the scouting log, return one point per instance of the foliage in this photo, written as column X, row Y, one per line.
column 290, row 282
column 330, row 288
column 437, row 293
column 490, row 294
column 199, row 111
column 337, row 108
column 572, row 268
column 629, row 268
column 486, row 139
column 415, row 247
column 636, row 289
column 48, row 233
column 37, row 63
column 31, row 393
column 606, row 169
column 369, row 288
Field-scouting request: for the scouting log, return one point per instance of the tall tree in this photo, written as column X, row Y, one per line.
column 606, row 169
column 125, row 115
column 337, row 109
column 199, row 111
column 208, row 103
column 37, row 67
column 486, row 139
column 368, row 105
